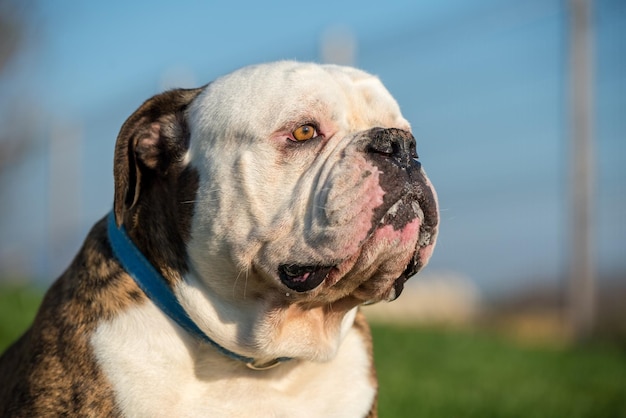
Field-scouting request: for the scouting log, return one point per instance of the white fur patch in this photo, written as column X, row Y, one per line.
column 157, row 370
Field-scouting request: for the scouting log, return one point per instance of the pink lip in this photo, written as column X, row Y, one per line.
column 407, row 234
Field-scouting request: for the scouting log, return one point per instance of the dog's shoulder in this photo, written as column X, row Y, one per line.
column 51, row 368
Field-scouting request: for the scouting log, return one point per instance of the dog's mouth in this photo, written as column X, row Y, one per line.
column 302, row 278
column 399, row 222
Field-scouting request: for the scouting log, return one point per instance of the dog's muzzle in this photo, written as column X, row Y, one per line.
column 408, row 201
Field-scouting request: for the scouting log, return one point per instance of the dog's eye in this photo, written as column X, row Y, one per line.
column 304, row 133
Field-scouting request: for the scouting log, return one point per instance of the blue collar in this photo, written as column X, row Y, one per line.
column 155, row 287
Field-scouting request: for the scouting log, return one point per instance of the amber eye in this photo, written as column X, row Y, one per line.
column 304, row 133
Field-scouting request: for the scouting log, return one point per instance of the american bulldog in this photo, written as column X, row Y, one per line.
column 252, row 217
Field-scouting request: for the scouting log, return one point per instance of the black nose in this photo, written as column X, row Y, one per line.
column 395, row 143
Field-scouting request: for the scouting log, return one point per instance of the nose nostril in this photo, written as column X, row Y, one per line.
column 393, row 143
column 381, row 147
column 387, row 145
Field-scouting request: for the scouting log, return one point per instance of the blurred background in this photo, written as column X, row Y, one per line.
column 487, row 86
column 533, row 227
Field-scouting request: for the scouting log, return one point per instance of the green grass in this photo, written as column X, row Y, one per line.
column 451, row 373
column 445, row 373
column 18, row 306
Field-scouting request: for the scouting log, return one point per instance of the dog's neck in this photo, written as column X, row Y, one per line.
column 154, row 286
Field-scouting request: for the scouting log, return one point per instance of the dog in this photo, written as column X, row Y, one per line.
column 251, row 219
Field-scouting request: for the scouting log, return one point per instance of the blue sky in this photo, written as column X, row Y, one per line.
column 484, row 84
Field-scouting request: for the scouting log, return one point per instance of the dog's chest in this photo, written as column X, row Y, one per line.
column 156, row 371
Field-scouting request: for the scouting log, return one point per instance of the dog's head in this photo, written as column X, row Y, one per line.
column 278, row 185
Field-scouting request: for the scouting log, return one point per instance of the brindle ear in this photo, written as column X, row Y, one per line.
column 151, row 139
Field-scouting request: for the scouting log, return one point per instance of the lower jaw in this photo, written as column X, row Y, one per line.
column 345, row 279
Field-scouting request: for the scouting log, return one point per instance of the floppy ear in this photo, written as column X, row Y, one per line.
column 150, row 141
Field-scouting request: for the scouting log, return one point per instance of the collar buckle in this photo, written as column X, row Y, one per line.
column 254, row 365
